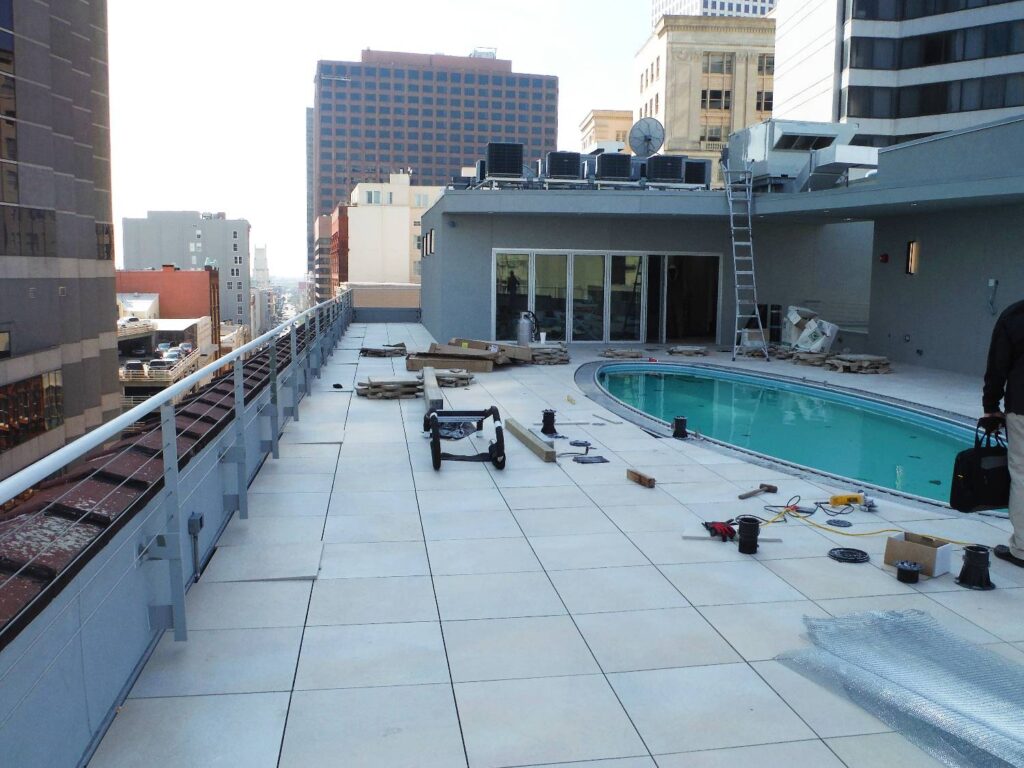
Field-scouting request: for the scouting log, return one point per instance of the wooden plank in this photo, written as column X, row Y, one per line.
column 545, row 449
column 449, row 350
column 431, row 391
column 640, row 478
column 419, row 362
column 511, row 351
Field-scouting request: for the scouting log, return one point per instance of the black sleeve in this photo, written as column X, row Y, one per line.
column 999, row 354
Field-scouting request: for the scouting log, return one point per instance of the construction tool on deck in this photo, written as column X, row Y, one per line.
column 762, row 488
column 459, row 424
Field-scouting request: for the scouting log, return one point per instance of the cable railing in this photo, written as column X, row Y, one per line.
column 111, row 471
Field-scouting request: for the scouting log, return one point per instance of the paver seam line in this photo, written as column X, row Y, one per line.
column 433, row 587
column 309, row 603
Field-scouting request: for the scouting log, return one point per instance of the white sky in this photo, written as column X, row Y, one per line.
column 208, row 97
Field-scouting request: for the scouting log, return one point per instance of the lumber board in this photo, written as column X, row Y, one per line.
column 545, row 449
column 421, row 361
column 640, row 478
column 431, row 391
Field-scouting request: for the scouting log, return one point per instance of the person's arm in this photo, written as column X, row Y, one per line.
column 997, row 370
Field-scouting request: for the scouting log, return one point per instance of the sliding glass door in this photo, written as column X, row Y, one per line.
column 550, row 290
column 625, row 298
column 588, row 284
column 511, row 292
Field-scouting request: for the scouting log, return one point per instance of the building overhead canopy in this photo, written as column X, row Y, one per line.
column 139, row 303
column 175, row 324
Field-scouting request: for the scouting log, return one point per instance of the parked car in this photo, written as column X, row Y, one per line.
column 187, row 347
column 160, row 365
column 133, row 366
column 174, row 353
column 140, row 352
column 129, row 320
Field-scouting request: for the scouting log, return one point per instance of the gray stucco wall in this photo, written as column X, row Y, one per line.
column 940, row 317
column 827, row 267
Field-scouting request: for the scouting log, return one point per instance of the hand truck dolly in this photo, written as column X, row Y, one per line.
column 455, row 425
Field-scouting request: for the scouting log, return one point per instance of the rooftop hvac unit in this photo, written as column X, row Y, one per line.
column 639, row 167
column 697, row 172
column 666, row 168
column 563, row 165
column 504, row 160
column 614, row 167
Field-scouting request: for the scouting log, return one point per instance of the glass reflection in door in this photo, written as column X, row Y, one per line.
column 588, row 297
column 511, row 292
column 626, row 289
column 550, row 287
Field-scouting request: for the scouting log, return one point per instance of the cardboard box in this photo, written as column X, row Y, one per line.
column 421, row 361
column 751, row 337
column 511, row 351
column 794, row 322
column 818, row 336
column 935, row 555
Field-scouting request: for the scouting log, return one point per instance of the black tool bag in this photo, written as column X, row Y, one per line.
column 981, row 475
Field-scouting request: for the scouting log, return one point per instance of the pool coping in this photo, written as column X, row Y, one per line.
column 586, row 379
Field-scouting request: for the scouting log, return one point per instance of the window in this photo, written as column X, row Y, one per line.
column 766, row 64
column 711, row 133
column 238, row 259
column 717, row 63
column 715, row 99
column 30, row 407
column 5, row 344
column 234, row 234
column 764, row 101
column 913, row 256
column 234, row 246
column 373, row 197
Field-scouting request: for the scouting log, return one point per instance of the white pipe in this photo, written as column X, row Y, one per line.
column 51, row 463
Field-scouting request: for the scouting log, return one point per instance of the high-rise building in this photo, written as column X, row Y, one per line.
column 900, row 71
column 58, row 314
column 704, row 78
column 260, row 268
column 661, row 8
column 309, row 189
column 190, row 240
column 427, row 115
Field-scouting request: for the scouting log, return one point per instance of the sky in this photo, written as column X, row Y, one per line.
column 208, row 97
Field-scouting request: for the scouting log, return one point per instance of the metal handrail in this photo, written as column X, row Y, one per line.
column 48, row 465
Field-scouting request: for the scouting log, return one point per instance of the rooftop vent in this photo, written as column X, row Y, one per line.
column 803, row 141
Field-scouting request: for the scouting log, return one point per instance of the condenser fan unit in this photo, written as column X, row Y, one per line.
column 697, row 172
column 504, row 159
column 614, row 167
column 563, row 165
column 646, row 136
column 666, row 168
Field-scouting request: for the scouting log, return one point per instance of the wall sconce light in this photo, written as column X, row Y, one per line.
column 913, row 256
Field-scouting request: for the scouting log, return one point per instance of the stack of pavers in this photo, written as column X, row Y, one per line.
column 453, row 378
column 810, row 358
column 471, row 354
column 388, row 350
column 623, row 354
column 390, row 387
column 549, row 353
column 858, row 364
column 688, row 351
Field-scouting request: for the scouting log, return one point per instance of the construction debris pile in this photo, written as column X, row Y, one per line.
column 549, row 353
column 858, row 364
column 691, row 351
column 388, row 350
column 410, row 386
column 624, row 354
column 481, row 356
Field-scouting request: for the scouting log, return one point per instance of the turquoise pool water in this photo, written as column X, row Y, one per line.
column 833, row 432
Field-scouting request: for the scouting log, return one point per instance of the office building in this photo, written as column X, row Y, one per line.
column 705, row 78
column 384, row 233
column 661, row 8
column 58, row 351
column 605, row 129
column 260, row 268
column 426, row 115
column 190, row 240
column 309, row 189
column 900, row 71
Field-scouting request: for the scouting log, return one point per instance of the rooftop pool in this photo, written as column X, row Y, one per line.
column 869, row 441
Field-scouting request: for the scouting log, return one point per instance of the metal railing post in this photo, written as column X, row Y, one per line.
column 319, row 344
column 238, row 452
column 294, row 383
column 168, row 547
column 307, row 378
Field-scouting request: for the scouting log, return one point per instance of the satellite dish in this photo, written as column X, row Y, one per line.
column 646, row 136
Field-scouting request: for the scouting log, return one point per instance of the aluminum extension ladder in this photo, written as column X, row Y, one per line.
column 739, row 191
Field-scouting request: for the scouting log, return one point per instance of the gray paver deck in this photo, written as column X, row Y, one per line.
column 375, row 613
